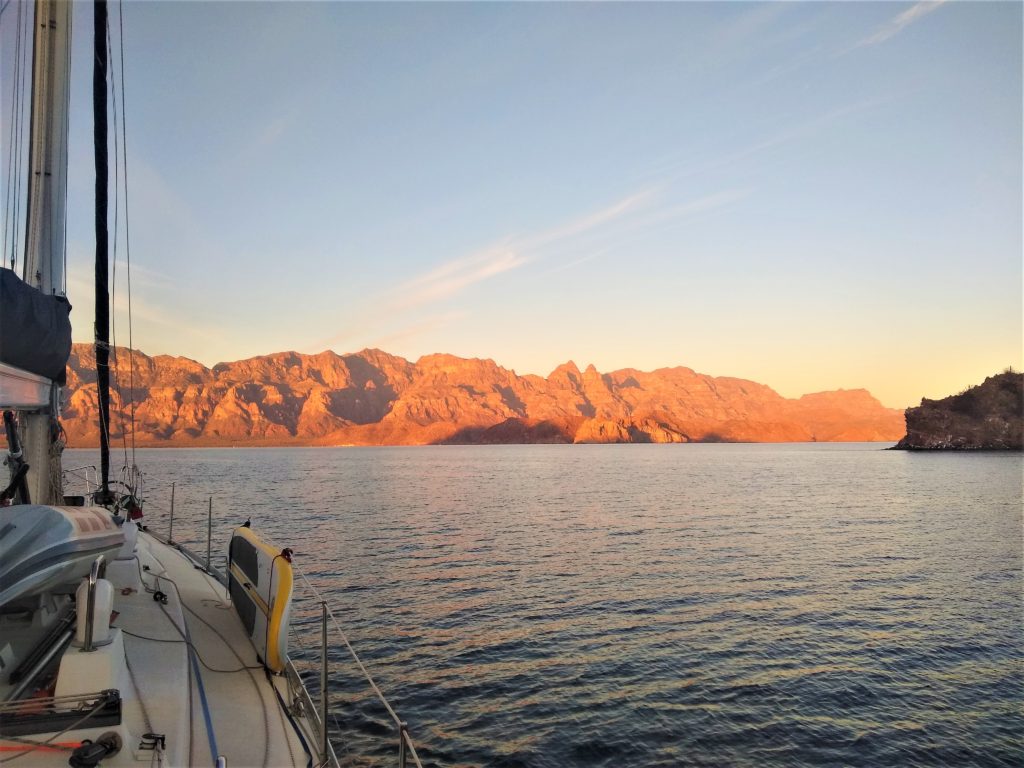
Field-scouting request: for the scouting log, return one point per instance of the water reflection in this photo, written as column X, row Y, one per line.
column 651, row 605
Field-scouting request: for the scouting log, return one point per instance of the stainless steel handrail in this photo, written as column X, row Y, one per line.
column 30, row 678
column 170, row 525
column 209, row 532
column 96, row 572
column 324, row 678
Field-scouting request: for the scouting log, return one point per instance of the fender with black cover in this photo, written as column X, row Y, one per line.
column 260, row 583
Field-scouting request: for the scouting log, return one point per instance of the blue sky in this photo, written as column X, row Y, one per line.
column 810, row 195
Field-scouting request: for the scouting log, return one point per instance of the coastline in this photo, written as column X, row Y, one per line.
column 270, row 445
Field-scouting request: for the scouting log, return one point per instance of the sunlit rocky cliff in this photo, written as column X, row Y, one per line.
column 989, row 416
column 373, row 398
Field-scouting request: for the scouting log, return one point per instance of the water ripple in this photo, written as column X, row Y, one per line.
column 707, row 605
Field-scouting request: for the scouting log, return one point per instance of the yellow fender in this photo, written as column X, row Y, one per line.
column 260, row 584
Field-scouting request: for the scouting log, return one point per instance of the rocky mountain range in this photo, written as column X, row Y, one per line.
column 373, row 398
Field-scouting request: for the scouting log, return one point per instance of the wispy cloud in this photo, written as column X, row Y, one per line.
column 142, row 276
column 591, row 245
column 161, row 215
column 898, row 23
column 698, row 205
column 153, row 322
column 576, row 240
column 589, row 222
column 419, row 328
column 672, row 216
column 273, row 131
column 451, row 278
column 577, row 262
column 265, row 138
column 677, row 168
column 749, row 27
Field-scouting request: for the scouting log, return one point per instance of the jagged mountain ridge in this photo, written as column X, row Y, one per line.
column 373, row 398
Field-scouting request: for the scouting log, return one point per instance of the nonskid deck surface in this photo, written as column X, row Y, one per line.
column 242, row 719
column 215, row 702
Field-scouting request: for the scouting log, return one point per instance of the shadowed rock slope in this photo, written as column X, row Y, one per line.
column 373, row 398
column 989, row 416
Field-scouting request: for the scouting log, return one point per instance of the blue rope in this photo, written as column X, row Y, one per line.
column 202, row 696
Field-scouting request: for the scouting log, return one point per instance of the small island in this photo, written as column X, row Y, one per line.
column 989, row 416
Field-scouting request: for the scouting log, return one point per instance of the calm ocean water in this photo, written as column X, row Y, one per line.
column 644, row 605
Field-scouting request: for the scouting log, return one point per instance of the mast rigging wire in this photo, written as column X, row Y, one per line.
column 21, row 141
column 127, row 238
column 13, row 196
column 115, row 368
column 121, row 172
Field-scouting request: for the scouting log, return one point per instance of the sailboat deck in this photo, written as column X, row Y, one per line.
column 236, row 708
column 215, row 702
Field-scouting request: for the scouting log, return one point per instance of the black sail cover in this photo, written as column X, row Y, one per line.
column 35, row 329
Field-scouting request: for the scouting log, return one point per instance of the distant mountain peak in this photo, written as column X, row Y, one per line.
column 567, row 367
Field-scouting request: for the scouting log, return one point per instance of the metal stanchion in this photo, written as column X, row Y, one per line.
column 323, row 679
column 403, row 734
column 209, row 532
column 98, row 570
column 170, row 527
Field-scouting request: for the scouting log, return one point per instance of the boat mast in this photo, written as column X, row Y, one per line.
column 99, row 113
column 45, row 212
column 48, row 148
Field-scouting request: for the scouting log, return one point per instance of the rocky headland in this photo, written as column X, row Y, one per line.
column 989, row 416
column 373, row 398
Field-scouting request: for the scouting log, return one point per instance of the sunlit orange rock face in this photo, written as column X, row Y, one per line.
column 373, row 398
